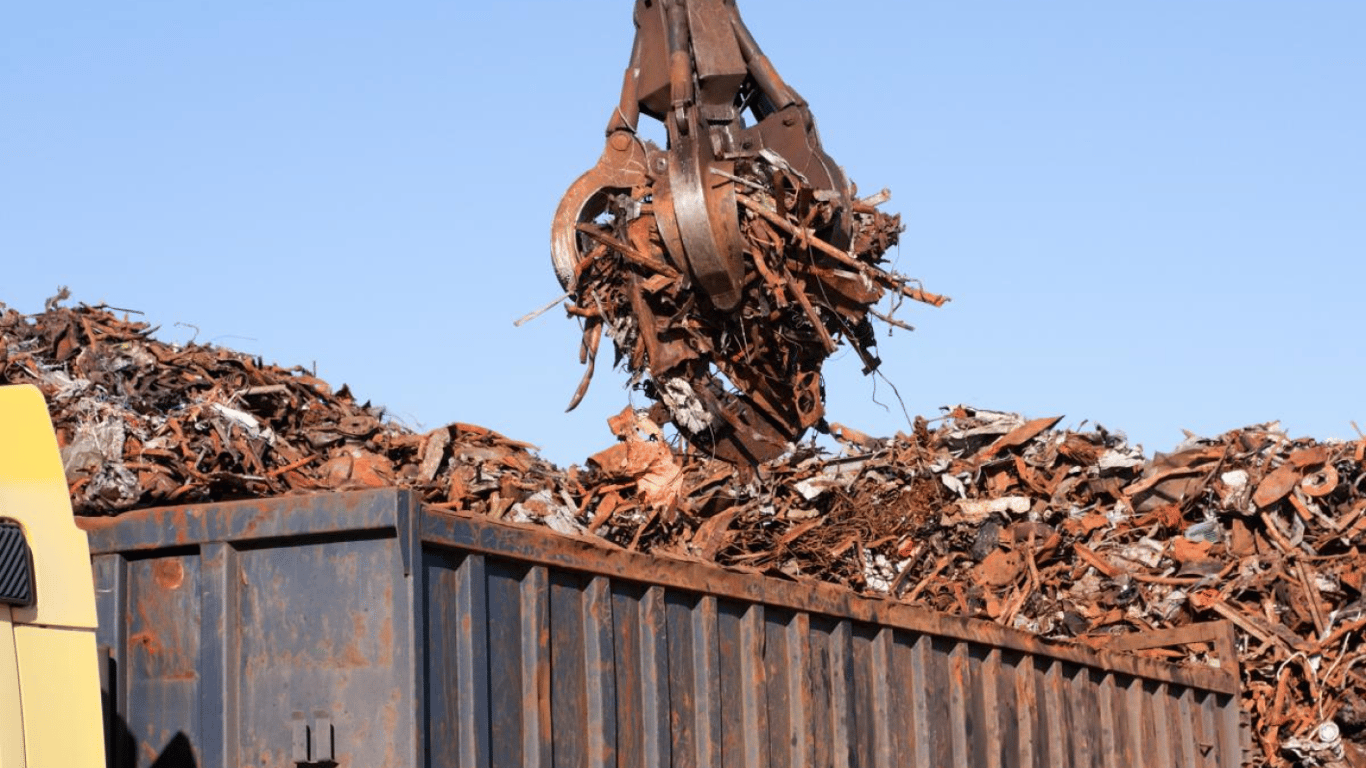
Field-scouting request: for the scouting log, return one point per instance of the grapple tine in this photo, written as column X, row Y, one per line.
column 620, row 169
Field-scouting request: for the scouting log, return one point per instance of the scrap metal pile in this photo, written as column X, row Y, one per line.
column 143, row 423
column 1076, row 535
column 1072, row 535
column 728, row 266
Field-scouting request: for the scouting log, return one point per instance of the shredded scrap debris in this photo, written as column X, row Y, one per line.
column 143, row 423
column 741, row 385
column 1071, row 535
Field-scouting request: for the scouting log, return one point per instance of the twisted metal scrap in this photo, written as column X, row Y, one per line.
column 739, row 385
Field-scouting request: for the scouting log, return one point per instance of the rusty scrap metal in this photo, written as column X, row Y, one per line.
column 1074, row 536
column 144, row 423
column 727, row 267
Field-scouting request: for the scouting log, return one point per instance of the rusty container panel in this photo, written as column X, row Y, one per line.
column 263, row 633
column 363, row 630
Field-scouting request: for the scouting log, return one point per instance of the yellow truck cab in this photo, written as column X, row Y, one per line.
column 50, row 713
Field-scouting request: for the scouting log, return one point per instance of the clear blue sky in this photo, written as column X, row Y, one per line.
column 1150, row 214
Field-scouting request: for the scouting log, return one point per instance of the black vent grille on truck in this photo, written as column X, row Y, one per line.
column 16, row 566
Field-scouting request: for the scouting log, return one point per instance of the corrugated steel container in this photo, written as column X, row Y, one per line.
column 364, row 630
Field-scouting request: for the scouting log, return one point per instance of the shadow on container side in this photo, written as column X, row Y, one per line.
column 362, row 629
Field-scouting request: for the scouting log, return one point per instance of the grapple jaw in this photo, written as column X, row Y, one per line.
column 620, row 170
column 696, row 68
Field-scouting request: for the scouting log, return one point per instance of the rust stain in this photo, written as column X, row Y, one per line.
column 94, row 524
column 390, row 717
column 351, row 656
column 147, row 640
column 182, row 529
column 386, row 641
column 169, row 573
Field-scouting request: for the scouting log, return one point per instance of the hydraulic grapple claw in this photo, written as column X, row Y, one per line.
column 696, row 68
column 737, row 133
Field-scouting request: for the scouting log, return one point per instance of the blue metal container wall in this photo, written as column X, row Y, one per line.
column 647, row 676
column 418, row 638
column 232, row 633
